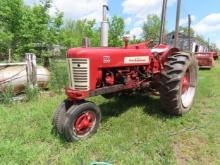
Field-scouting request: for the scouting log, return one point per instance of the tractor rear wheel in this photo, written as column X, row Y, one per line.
column 81, row 121
column 178, row 83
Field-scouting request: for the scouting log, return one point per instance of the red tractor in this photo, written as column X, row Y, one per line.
column 105, row 71
column 215, row 55
column 206, row 59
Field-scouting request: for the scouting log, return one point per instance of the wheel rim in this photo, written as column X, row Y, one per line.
column 84, row 123
column 188, row 87
column 185, row 82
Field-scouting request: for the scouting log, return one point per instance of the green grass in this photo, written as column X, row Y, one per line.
column 133, row 131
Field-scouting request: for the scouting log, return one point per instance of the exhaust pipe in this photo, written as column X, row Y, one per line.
column 104, row 26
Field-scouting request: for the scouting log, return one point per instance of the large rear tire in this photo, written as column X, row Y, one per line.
column 178, row 83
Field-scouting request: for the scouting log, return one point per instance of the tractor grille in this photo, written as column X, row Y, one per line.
column 79, row 73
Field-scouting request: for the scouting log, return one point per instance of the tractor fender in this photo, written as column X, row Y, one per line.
column 168, row 53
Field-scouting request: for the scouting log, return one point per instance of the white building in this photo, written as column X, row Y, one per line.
column 183, row 44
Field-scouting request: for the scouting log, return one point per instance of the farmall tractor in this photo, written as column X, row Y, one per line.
column 105, row 71
column 206, row 59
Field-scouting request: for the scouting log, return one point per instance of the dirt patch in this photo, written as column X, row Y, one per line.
column 180, row 158
column 191, row 150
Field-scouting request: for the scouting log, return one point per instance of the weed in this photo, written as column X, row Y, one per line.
column 31, row 93
column 7, row 95
column 59, row 75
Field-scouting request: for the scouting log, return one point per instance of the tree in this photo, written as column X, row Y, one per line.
column 55, row 27
column 10, row 15
column 151, row 27
column 74, row 31
column 185, row 30
column 116, row 31
column 28, row 29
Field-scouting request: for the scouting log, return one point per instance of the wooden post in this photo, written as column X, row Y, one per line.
column 34, row 70
column 86, row 42
column 31, row 68
column 28, row 69
column 9, row 56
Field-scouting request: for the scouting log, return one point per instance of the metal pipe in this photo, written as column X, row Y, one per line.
column 12, row 64
column 105, row 12
column 104, row 26
column 163, row 21
column 176, row 39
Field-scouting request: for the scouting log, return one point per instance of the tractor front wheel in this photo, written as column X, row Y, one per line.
column 178, row 83
column 81, row 121
column 60, row 115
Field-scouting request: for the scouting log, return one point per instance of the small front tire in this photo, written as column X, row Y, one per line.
column 82, row 121
column 60, row 115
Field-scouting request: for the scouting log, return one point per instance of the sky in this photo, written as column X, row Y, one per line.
column 205, row 14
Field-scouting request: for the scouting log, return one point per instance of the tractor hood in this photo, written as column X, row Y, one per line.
column 89, row 52
column 111, row 57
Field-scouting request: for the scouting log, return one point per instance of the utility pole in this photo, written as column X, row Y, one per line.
column 163, row 21
column 208, row 44
column 177, row 23
column 189, row 31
